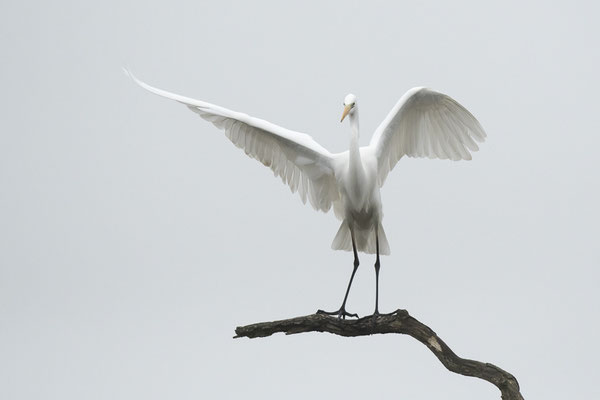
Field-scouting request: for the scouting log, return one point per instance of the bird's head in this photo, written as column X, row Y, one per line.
column 349, row 105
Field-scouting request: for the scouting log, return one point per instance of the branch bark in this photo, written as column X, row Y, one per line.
column 397, row 322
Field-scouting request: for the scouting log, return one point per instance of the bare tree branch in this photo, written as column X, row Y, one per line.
column 397, row 322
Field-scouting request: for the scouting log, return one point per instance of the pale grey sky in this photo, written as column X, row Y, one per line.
column 134, row 236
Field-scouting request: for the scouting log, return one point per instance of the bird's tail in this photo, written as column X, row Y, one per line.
column 365, row 240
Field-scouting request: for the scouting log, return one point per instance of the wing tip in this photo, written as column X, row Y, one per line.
column 127, row 71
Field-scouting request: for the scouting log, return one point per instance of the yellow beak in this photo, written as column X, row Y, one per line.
column 346, row 111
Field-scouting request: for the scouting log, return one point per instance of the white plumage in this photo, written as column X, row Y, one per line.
column 424, row 123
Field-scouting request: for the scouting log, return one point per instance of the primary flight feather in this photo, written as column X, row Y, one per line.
column 424, row 123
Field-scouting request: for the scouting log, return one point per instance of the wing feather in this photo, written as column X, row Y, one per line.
column 425, row 123
column 300, row 162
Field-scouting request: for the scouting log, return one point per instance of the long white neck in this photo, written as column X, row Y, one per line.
column 355, row 161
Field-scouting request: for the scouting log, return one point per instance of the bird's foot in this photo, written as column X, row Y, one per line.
column 341, row 313
column 374, row 316
column 378, row 314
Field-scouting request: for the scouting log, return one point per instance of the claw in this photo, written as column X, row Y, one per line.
column 341, row 313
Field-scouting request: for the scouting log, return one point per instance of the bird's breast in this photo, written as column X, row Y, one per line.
column 361, row 201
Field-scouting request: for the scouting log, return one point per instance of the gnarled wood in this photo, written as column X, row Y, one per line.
column 397, row 322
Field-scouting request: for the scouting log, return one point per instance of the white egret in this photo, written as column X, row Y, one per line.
column 424, row 123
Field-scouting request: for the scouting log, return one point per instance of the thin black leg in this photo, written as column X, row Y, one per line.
column 377, row 265
column 356, row 263
column 342, row 313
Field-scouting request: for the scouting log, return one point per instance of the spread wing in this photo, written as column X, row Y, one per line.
column 425, row 123
column 295, row 157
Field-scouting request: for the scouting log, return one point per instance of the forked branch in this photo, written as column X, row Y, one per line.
column 397, row 322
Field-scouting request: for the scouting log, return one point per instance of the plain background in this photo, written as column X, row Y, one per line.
column 134, row 237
